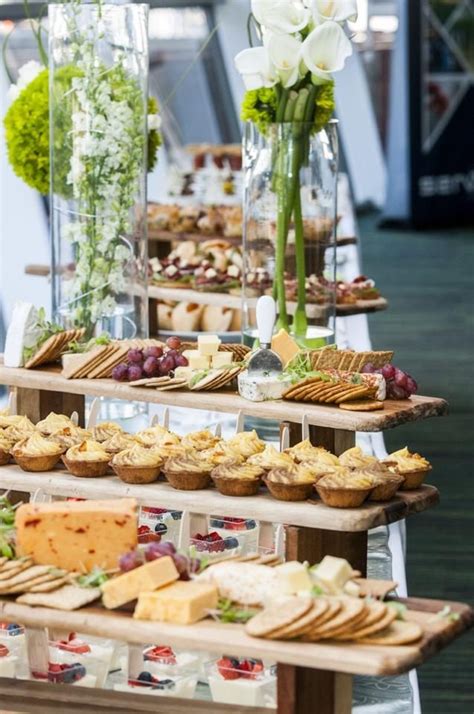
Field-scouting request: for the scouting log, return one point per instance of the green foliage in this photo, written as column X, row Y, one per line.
column 27, row 130
column 325, row 104
column 259, row 106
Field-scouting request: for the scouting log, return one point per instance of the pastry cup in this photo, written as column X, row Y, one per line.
column 44, row 462
column 237, row 486
column 387, row 489
column 342, row 497
column 86, row 469
column 137, row 474
column 413, row 479
column 289, row 491
column 188, row 480
column 4, row 457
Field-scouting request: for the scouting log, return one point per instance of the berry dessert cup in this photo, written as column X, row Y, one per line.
column 242, row 681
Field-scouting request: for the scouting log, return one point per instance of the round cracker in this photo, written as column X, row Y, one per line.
column 399, row 632
column 363, row 405
column 278, row 615
column 334, row 607
column 351, row 612
column 367, row 627
column 300, row 626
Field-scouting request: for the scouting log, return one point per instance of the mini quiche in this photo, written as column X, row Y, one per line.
column 233, row 478
column 35, row 453
column 5, row 446
column 87, row 459
column 270, row 459
column 305, row 451
column 20, row 429
column 201, row 440
column 156, row 436
column 104, row 430
column 188, row 471
column 53, row 422
column 412, row 467
column 345, row 489
column 294, row 483
column 70, row 436
column 137, row 464
column 356, row 459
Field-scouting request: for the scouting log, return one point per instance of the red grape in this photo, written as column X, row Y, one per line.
column 166, row 365
column 173, row 343
column 151, row 367
column 120, row 372
column 182, row 566
column 368, row 368
column 154, row 551
column 153, row 351
column 412, row 386
column 130, row 561
column 397, row 392
column 400, row 378
column 181, row 361
column 388, row 371
column 135, row 356
column 134, row 372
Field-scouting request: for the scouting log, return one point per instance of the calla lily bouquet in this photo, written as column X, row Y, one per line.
column 289, row 96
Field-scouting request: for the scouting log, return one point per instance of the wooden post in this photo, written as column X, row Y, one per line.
column 313, row 691
column 37, row 404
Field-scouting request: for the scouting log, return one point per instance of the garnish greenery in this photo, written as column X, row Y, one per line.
column 399, row 607
column 446, row 613
column 7, row 528
column 81, row 347
column 94, row 579
column 47, row 330
column 228, row 611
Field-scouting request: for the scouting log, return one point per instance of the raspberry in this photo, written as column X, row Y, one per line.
column 4, row 651
column 214, row 536
column 226, row 669
column 246, row 668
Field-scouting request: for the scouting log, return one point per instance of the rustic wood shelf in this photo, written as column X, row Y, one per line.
column 395, row 412
column 208, row 635
column 155, row 234
column 309, row 514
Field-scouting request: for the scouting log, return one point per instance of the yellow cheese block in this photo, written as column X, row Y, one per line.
column 221, row 359
column 196, row 360
column 128, row 586
column 285, row 347
column 208, row 344
column 77, row 535
column 181, row 603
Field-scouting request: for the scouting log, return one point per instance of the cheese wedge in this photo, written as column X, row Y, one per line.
column 208, row 344
column 77, row 535
column 332, row 574
column 292, row 578
column 181, row 603
column 285, row 347
column 145, row 578
column 196, row 360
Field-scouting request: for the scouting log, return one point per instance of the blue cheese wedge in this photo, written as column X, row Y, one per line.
column 261, row 387
column 22, row 332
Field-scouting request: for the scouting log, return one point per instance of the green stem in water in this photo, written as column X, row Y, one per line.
column 300, row 322
column 282, row 230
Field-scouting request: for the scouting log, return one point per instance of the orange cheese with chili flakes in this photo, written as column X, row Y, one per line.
column 77, row 535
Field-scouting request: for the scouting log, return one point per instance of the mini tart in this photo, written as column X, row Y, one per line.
column 35, row 453
column 20, row 429
column 188, row 472
column 137, row 465
column 356, row 459
column 119, row 442
column 5, row 446
column 270, row 458
column 411, row 466
column 387, row 484
column 246, row 443
column 87, row 459
column 53, row 422
column 345, row 490
column 221, row 453
column 201, row 440
column 236, row 479
column 7, row 420
column 305, row 451
column 70, row 436
column 290, row 484
column 156, row 436
column 104, row 430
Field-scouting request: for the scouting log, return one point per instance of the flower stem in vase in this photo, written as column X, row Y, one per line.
column 300, row 321
column 281, row 187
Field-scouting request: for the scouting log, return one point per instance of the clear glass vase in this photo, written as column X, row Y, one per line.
column 290, row 228
column 98, row 67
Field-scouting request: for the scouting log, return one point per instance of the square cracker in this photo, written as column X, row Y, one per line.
column 67, row 597
column 29, row 573
column 346, row 360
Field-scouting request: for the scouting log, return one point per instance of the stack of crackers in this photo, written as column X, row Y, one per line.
column 53, row 347
column 348, row 360
column 43, row 585
column 340, row 618
column 315, row 389
column 99, row 362
column 217, row 378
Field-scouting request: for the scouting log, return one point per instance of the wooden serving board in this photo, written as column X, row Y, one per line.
column 155, row 234
column 310, row 514
column 208, row 635
column 394, row 413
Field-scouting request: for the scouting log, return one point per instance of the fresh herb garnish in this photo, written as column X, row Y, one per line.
column 80, row 347
column 94, row 579
column 316, row 591
column 47, row 329
column 230, row 612
column 399, row 607
column 446, row 613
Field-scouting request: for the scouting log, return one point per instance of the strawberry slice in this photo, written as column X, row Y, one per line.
column 226, row 669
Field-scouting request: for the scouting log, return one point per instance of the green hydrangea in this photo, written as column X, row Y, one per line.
column 27, row 132
column 259, row 106
column 325, row 105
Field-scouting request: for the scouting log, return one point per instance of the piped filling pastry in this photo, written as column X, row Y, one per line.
column 70, row 436
column 201, row 440
column 36, row 445
column 407, row 461
column 106, row 429
column 246, row 443
column 270, row 458
column 118, row 442
column 52, row 423
column 156, row 436
column 305, row 451
column 137, row 456
column 88, row 450
column 20, row 429
column 189, row 462
column 355, row 458
column 235, row 470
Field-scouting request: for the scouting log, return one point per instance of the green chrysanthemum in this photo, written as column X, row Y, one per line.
column 324, row 105
column 259, row 106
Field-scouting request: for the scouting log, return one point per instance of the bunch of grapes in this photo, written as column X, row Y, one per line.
column 400, row 385
column 152, row 361
column 153, row 551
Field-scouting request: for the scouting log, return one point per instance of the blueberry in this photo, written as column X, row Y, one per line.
column 161, row 528
column 164, row 684
column 235, row 662
column 145, row 677
column 251, row 524
column 13, row 629
column 217, row 523
column 231, row 543
column 176, row 515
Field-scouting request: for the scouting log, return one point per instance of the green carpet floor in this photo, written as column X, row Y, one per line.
column 428, row 280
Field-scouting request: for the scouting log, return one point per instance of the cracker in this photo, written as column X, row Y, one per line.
column 48, row 585
column 361, row 405
column 278, row 615
column 42, row 354
column 94, row 357
column 114, row 355
column 376, row 612
column 352, row 610
column 28, row 573
column 346, row 360
column 170, row 387
column 357, row 393
column 329, row 359
column 3, row 560
column 344, row 389
column 371, row 629
column 13, row 567
column 303, row 624
column 381, row 358
column 148, row 381
column 375, row 588
column 334, row 607
column 398, row 633
column 25, row 587
column 68, row 597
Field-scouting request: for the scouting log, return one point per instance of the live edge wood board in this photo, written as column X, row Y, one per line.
column 309, row 514
column 393, row 414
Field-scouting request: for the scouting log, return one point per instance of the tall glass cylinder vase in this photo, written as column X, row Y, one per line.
column 290, row 228
column 98, row 67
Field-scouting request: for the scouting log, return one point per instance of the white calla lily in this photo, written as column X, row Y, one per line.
column 284, row 54
column 255, row 67
column 337, row 10
column 282, row 16
column 325, row 49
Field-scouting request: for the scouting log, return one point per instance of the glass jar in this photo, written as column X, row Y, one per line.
column 290, row 228
column 98, row 66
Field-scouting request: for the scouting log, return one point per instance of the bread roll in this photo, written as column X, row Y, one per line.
column 216, row 318
column 186, row 317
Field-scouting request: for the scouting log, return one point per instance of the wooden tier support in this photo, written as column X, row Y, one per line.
column 36, row 404
column 313, row 691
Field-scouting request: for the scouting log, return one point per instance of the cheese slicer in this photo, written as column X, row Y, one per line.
column 265, row 359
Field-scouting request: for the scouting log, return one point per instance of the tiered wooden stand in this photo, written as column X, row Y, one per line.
column 311, row 677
